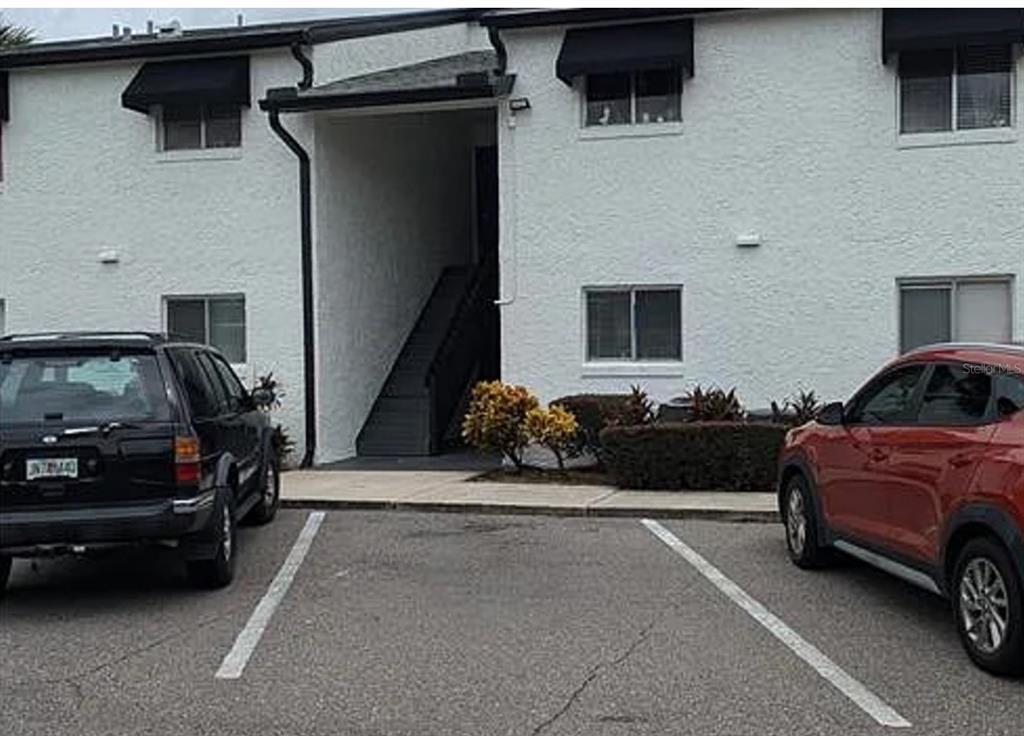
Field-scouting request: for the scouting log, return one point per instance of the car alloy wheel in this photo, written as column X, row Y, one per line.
column 984, row 605
column 796, row 522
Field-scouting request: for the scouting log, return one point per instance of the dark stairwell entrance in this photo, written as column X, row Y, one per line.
column 454, row 343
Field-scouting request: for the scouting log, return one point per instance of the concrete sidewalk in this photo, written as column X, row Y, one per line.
column 455, row 491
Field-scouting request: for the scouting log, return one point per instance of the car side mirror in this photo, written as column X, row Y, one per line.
column 831, row 415
column 262, row 398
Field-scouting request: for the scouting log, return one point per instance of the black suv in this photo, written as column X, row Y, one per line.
column 115, row 438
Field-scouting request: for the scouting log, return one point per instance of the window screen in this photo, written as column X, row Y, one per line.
column 983, row 87
column 609, row 334
column 925, row 316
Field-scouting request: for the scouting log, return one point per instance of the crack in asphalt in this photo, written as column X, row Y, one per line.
column 592, row 675
column 74, row 679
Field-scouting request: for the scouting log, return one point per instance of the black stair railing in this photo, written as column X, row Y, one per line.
column 461, row 350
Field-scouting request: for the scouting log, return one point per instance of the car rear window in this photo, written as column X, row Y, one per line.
column 82, row 387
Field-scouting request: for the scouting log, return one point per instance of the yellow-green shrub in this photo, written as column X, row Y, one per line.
column 554, row 428
column 496, row 419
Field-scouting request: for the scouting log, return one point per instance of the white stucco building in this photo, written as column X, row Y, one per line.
column 382, row 210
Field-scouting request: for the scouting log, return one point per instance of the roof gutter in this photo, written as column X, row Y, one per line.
column 306, row 240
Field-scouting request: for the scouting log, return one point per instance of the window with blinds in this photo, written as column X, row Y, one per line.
column 634, row 324
column 966, row 88
column 960, row 310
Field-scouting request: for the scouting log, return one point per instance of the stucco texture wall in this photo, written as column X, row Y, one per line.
column 789, row 131
column 83, row 175
column 393, row 208
column 356, row 56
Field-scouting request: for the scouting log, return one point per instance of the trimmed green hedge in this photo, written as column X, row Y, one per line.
column 733, row 456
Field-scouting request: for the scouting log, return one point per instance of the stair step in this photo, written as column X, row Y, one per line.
column 400, row 421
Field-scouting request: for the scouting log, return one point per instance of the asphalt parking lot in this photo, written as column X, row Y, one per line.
column 414, row 623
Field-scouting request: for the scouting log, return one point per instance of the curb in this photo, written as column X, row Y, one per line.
column 727, row 515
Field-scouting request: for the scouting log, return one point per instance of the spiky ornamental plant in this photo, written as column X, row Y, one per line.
column 12, row 35
column 715, row 405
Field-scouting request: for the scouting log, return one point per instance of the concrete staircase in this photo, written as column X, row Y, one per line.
column 402, row 420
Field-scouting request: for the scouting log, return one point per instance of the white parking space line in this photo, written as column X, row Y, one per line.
column 863, row 698
column 234, row 663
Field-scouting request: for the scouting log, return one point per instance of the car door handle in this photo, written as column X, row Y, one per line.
column 961, row 461
column 878, row 456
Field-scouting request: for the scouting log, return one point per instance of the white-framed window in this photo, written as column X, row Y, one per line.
column 197, row 127
column 958, row 309
column 637, row 324
column 963, row 88
column 633, row 98
column 217, row 320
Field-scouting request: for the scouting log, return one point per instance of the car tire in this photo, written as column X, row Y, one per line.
column 269, row 494
column 801, row 522
column 218, row 571
column 988, row 605
column 5, row 573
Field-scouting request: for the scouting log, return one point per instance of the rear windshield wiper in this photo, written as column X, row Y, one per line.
column 105, row 428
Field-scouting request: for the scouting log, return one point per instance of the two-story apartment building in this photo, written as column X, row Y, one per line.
column 383, row 210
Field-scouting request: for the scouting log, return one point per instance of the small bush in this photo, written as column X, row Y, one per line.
column 593, row 413
column 701, row 455
column 281, row 442
column 635, row 409
column 797, row 411
column 496, row 419
column 554, row 428
column 715, row 405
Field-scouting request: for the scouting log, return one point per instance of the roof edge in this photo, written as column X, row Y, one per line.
column 535, row 18
column 246, row 38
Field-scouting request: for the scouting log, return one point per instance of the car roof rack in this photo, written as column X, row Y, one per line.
column 86, row 335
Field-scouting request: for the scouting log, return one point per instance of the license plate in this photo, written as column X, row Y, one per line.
column 51, row 467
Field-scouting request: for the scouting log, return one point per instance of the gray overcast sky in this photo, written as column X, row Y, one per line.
column 53, row 24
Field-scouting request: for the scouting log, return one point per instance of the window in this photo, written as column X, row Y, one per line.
column 955, row 395
column 3, row 317
column 889, row 399
column 634, row 324
column 960, row 310
column 192, row 127
column 82, row 388
column 215, row 320
column 967, row 88
column 1009, row 391
column 203, row 399
column 236, row 394
column 624, row 98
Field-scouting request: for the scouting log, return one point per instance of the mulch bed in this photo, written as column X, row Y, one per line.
column 589, row 476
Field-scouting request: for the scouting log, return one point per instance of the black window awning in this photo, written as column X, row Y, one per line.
column 5, row 98
column 220, row 80
column 907, row 29
column 626, row 48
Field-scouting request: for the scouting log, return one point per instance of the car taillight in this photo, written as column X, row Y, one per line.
column 186, row 460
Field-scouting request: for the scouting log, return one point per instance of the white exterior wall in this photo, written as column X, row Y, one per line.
column 789, row 131
column 394, row 207
column 82, row 175
column 356, row 56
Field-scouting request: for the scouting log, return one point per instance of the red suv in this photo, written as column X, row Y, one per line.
column 922, row 475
